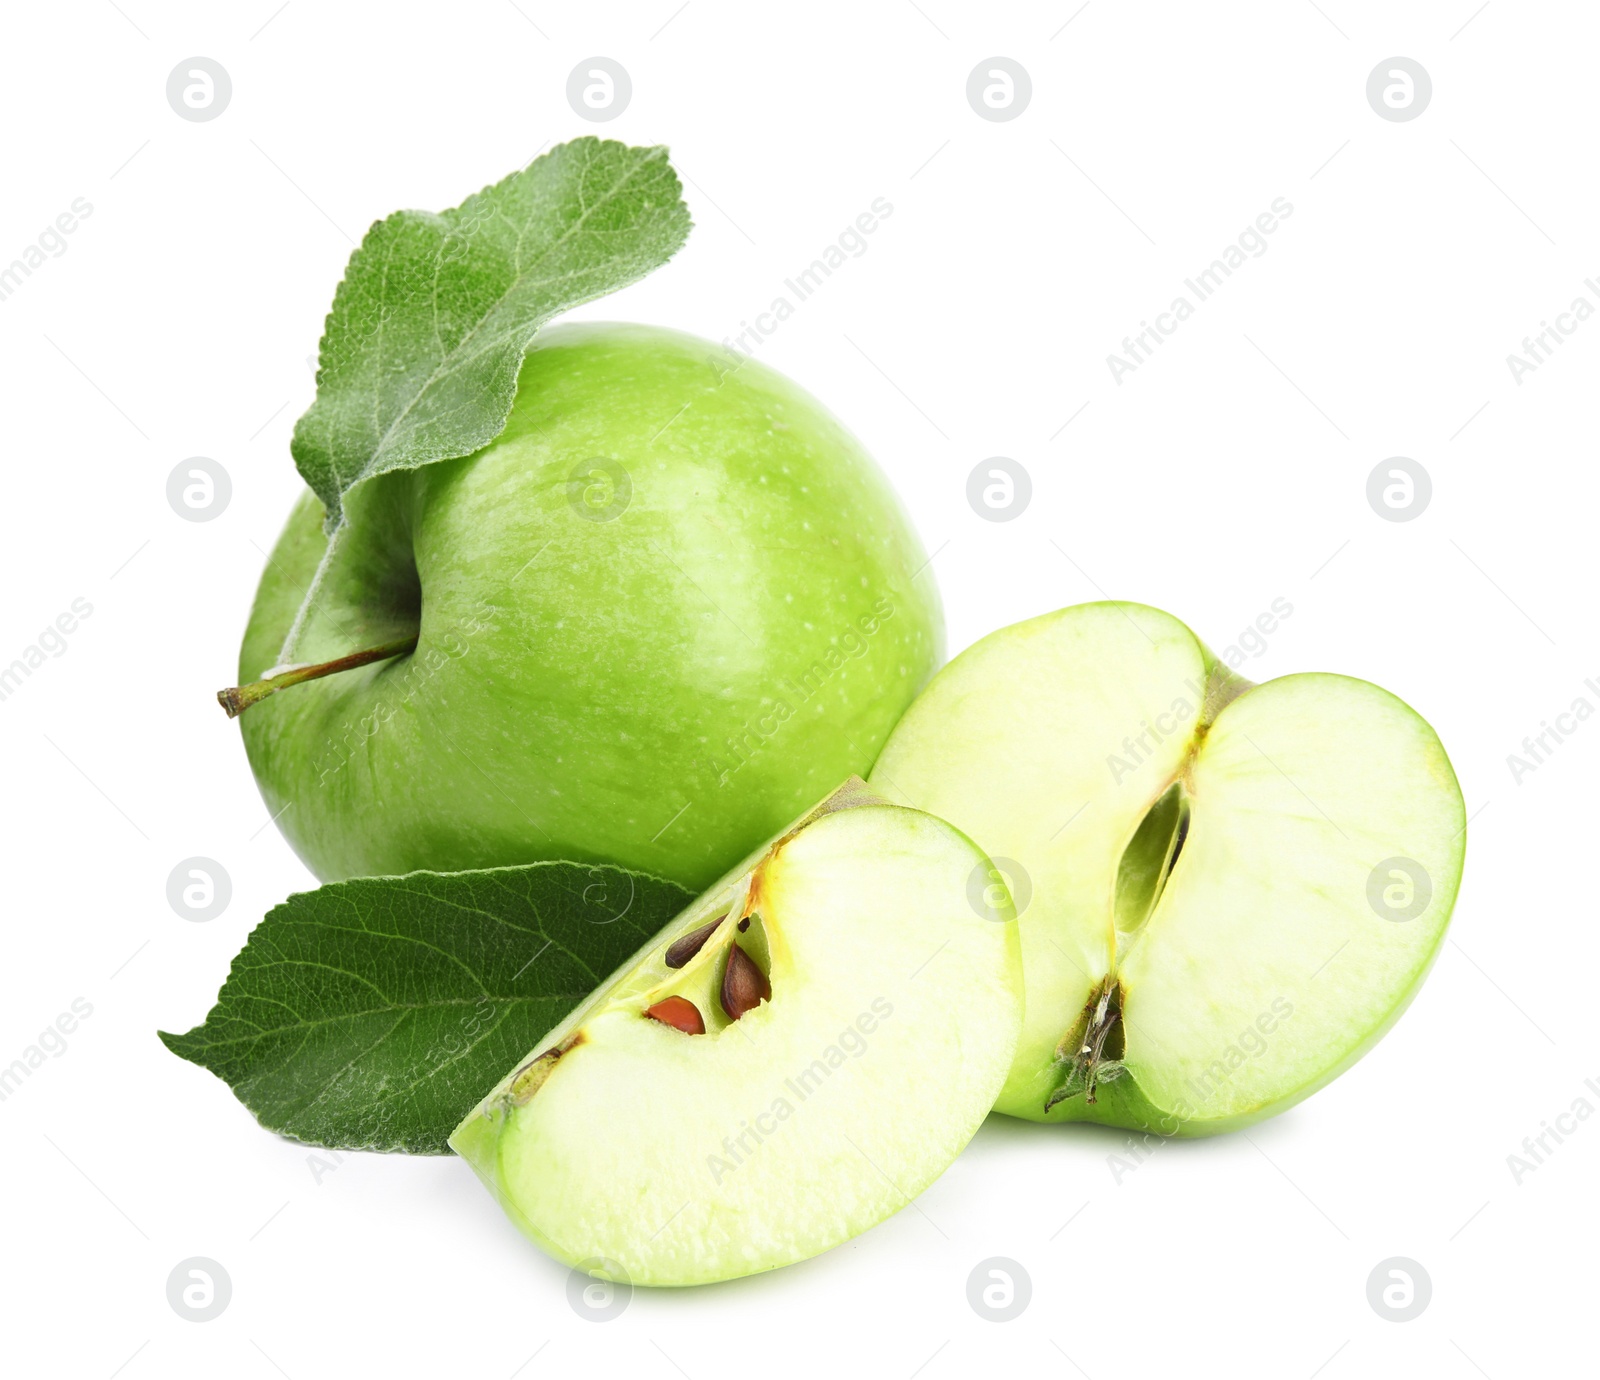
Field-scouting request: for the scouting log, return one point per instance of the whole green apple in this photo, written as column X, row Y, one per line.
column 670, row 606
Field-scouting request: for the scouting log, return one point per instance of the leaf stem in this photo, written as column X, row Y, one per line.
column 238, row 698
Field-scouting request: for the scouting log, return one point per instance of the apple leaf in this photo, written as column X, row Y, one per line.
column 420, row 354
column 374, row 1014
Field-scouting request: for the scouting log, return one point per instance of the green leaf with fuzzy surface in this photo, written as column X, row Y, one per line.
column 419, row 358
column 373, row 1014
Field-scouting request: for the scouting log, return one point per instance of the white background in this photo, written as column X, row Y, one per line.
column 1228, row 471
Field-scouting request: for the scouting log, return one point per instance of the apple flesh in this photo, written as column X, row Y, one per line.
column 670, row 606
column 1226, row 892
column 816, row 1102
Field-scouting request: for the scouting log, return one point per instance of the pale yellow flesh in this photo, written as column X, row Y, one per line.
column 690, row 1158
column 1011, row 744
column 1263, row 970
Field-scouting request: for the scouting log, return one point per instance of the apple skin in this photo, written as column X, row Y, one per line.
column 657, row 669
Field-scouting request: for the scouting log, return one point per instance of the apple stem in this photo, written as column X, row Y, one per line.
column 238, row 698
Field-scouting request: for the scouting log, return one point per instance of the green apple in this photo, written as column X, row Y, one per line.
column 792, row 1060
column 1226, row 892
column 665, row 610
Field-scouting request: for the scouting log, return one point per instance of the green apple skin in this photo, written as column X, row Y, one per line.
column 1262, row 970
column 654, row 666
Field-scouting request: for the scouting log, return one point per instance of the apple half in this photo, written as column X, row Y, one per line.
column 797, row 1056
column 1226, row 892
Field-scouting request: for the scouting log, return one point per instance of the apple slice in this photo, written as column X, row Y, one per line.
column 796, row 1057
column 1226, row 892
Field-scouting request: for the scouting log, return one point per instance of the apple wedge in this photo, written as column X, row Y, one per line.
column 792, row 1060
column 1226, row 892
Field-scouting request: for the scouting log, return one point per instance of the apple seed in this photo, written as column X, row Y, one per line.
column 680, row 1013
column 682, row 949
column 744, row 985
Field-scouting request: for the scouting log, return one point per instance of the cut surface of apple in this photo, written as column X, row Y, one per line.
column 792, row 1060
column 1226, row 892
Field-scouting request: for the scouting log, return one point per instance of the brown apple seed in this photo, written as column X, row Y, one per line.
column 680, row 1013
column 744, row 985
column 681, row 950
